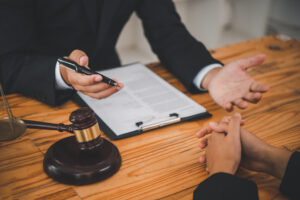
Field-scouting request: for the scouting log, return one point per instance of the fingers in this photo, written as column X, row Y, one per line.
column 252, row 61
column 202, row 158
column 219, row 128
column 202, row 132
column 258, row 87
column 203, row 141
column 240, row 103
column 90, row 85
column 234, row 126
column 94, row 88
column 225, row 119
column 103, row 94
column 222, row 126
column 120, row 85
column 84, row 80
column 252, row 97
column 229, row 107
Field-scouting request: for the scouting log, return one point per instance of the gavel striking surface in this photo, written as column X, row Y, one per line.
column 65, row 162
column 74, row 162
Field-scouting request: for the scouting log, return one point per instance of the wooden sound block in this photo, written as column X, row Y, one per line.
column 66, row 163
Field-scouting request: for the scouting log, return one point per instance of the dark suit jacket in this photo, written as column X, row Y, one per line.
column 34, row 33
column 222, row 186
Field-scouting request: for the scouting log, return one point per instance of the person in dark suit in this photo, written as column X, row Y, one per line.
column 35, row 33
column 227, row 146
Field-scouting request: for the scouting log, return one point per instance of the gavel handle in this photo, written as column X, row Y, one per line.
column 48, row 126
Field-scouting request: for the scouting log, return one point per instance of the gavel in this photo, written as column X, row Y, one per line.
column 84, row 126
column 81, row 159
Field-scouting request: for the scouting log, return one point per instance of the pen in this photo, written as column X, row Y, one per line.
column 80, row 69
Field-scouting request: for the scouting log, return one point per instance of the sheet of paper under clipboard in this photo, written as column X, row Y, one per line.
column 146, row 102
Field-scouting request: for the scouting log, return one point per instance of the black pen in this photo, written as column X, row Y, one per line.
column 80, row 69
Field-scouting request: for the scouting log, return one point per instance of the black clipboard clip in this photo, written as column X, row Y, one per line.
column 172, row 119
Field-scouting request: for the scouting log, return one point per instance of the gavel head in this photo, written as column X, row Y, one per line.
column 86, row 128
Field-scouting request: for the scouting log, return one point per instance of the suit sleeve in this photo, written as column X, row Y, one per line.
column 22, row 71
column 223, row 186
column 290, row 184
column 182, row 54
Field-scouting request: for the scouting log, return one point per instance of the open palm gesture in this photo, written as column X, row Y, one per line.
column 232, row 85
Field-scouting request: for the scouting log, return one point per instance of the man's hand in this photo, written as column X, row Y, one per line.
column 232, row 85
column 223, row 152
column 90, row 85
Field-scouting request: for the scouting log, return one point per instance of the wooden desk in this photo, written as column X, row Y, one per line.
column 162, row 164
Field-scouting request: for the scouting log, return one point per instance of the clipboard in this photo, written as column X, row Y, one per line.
column 137, row 125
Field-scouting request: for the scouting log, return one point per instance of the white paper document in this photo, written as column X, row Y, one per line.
column 145, row 98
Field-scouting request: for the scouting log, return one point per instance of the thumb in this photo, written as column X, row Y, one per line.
column 84, row 61
column 219, row 128
column 234, row 126
column 252, row 61
column 79, row 57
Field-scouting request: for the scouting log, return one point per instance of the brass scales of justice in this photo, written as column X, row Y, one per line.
column 81, row 159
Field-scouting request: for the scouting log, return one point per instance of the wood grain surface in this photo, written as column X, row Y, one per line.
column 162, row 164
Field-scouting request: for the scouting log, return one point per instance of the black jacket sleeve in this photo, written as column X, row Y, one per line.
column 223, row 186
column 182, row 54
column 22, row 71
column 290, row 184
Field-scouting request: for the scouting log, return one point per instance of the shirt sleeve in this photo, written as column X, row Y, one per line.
column 202, row 73
column 60, row 83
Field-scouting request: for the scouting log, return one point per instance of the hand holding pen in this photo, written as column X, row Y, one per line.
column 85, row 80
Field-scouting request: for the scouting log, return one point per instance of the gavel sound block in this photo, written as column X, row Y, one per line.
column 84, row 158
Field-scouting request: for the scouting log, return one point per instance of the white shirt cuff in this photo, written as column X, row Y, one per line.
column 201, row 74
column 60, row 83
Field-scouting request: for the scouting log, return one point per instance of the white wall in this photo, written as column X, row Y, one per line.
column 217, row 23
column 285, row 18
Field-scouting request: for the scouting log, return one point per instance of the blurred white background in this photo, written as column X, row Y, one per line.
column 217, row 23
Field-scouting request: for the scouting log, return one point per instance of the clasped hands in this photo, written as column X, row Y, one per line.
column 227, row 146
column 229, row 86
